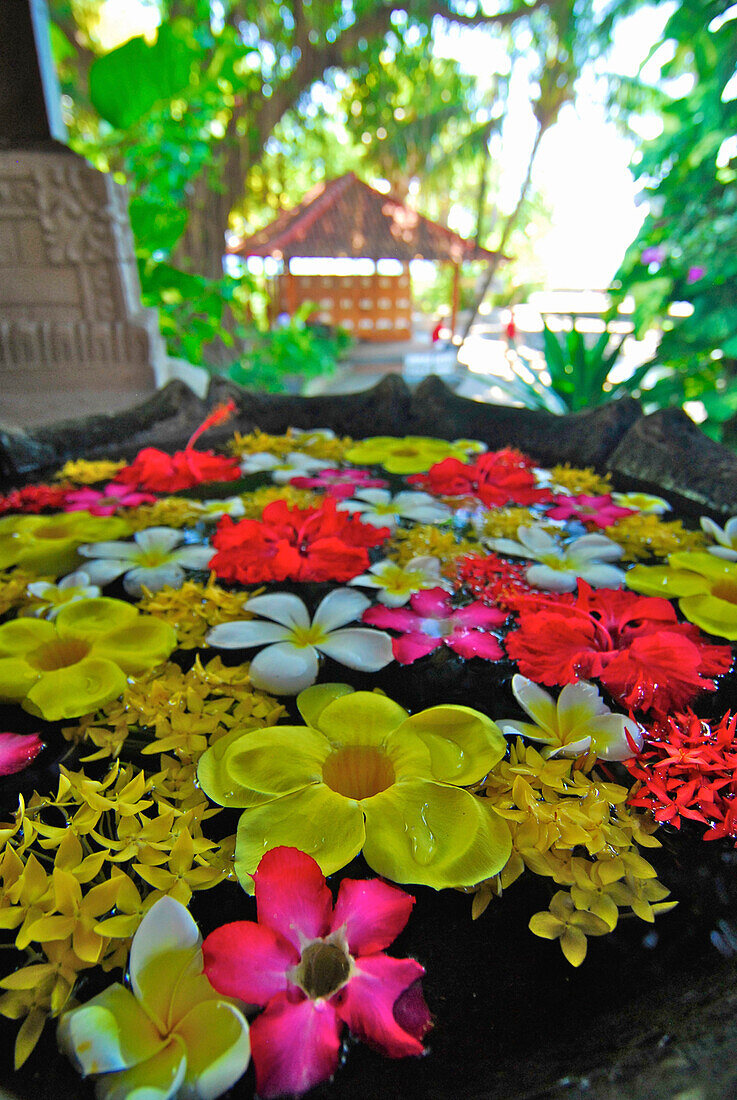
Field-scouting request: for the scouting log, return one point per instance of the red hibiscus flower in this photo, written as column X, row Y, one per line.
column 433, row 622
column 495, row 478
column 634, row 645
column 302, row 544
column 316, row 968
column 33, row 498
column 157, row 471
column 688, row 768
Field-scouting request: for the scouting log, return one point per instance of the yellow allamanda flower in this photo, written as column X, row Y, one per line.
column 409, row 454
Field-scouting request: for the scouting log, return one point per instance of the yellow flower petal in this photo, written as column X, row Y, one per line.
column 110, row 1032
column 94, row 618
column 326, row 825
column 262, row 765
column 713, row 615
column 158, row 1078
column 463, row 743
column 573, row 944
column 660, row 580
column 138, row 647
column 21, row 636
column 440, row 836
column 312, row 701
column 75, row 690
column 545, row 925
column 218, row 1047
column 16, row 678
column 361, row 718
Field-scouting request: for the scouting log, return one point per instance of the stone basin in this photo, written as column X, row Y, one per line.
column 512, row 1019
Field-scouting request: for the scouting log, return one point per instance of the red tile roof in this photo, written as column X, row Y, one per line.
column 346, row 217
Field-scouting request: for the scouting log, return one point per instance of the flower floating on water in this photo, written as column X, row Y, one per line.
column 158, row 471
column 17, row 750
column 635, row 646
column 290, row 660
column 363, row 775
column 431, row 621
column 379, row 507
column 599, row 511
column 48, row 545
column 578, row 722
column 569, row 925
column 83, row 471
column 33, row 498
column 646, row 503
column 396, row 583
column 80, row 661
column 561, row 565
column 688, row 768
column 302, row 544
column 496, row 478
column 724, row 537
column 339, row 483
column 285, row 468
column 316, row 968
column 49, row 598
column 106, row 501
column 172, row 1034
column 410, row 454
column 704, row 585
column 154, row 559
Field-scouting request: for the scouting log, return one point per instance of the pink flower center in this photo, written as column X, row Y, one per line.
column 358, row 771
column 437, row 628
column 322, row 970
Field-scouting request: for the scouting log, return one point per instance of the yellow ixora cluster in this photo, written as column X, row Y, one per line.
column 79, row 870
column 319, row 444
column 584, row 481
column 643, row 536
column 573, row 827
column 422, row 540
column 194, row 609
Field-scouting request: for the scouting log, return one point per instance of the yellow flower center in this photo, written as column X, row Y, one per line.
column 400, row 581
column 53, row 531
column 152, row 559
column 322, row 970
column 60, row 653
column 725, row 590
column 405, row 452
column 358, row 771
column 304, row 636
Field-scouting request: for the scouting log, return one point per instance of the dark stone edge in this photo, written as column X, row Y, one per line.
column 665, row 450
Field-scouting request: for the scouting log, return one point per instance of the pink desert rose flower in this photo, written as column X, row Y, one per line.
column 431, row 621
column 339, row 483
column 17, row 750
column 598, row 511
column 316, row 968
column 107, row 501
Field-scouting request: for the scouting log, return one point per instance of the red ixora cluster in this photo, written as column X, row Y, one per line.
column 688, row 768
column 634, row 645
column 33, row 498
column 495, row 478
column 157, row 471
column 491, row 579
column 297, row 544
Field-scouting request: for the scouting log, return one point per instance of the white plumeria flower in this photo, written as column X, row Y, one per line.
column 562, row 564
column 75, row 586
column 645, row 503
column 726, row 537
column 289, row 663
column 283, row 469
column 578, row 722
column 379, row 508
column 152, row 559
column 396, row 583
column 211, row 510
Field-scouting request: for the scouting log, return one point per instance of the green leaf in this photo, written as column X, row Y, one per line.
column 127, row 82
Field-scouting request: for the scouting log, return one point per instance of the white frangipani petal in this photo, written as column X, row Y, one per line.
column 121, row 551
column 162, row 539
column 339, row 607
column 104, row 570
column 166, row 927
column 193, row 557
column 154, row 579
column 246, row 634
column 282, row 607
column 284, row 668
column 361, row 648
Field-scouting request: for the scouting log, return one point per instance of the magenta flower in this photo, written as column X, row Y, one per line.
column 339, row 483
column 105, row 502
column 433, row 621
column 597, row 511
column 695, row 273
column 653, row 254
column 17, row 750
column 316, row 968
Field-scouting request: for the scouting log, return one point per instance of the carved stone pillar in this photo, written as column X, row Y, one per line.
column 74, row 337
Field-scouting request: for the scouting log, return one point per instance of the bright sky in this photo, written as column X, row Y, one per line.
column 582, row 166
